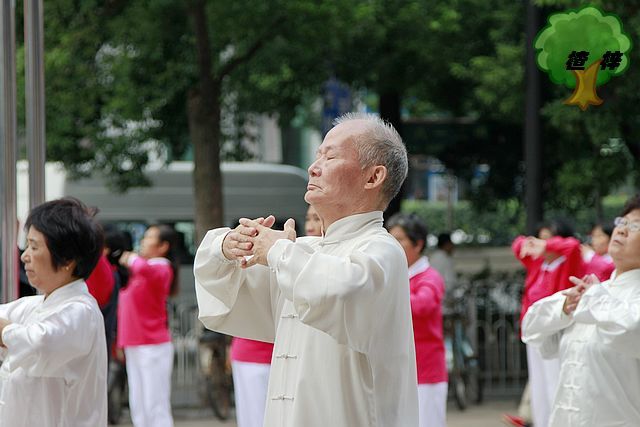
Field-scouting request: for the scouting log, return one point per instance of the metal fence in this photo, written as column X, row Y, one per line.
column 185, row 330
column 493, row 309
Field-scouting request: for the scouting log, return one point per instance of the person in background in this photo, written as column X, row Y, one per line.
column 442, row 259
column 427, row 293
column 116, row 242
column 595, row 331
column 143, row 326
column 312, row 223
column 54, row 356
column 251, row 361
column 549, row 259
column 596, row 257
column 100, row 282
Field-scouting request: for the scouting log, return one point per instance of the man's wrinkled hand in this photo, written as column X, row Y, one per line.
column 238, row 244
column 264, row 238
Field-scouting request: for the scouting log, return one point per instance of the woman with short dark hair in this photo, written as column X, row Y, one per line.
column 426, row 288
column 595, row 330
column 55, row 358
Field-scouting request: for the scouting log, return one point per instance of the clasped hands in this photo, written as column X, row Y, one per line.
column 533, row 247
column 575, row 294
column 250, row 241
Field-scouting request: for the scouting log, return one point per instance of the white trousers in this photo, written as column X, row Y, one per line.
column 149, row 376
column 432, row 401
column 543, row 383
column 250, row 382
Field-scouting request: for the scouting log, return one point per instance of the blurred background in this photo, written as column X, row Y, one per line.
column 194, row 113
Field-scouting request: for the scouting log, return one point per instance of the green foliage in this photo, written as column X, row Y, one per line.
column 499, row 226
column 119, row 74
column 491, row 228
column 566, row 32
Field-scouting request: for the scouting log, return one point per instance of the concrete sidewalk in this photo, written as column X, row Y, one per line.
column 486, row 415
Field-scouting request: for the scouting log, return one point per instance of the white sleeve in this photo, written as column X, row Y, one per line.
column 232, row 300
column 543, row 324
column 617, row 321
column 343, row 296
column 42, row 348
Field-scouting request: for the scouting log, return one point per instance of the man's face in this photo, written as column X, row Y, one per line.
column 336, row 178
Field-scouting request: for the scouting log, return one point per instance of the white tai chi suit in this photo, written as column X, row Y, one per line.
column 338, row 310
column 599, row 347
column 54, row 372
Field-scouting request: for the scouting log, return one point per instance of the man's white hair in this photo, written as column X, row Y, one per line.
column 380, row 144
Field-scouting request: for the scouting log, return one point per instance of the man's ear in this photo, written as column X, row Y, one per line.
column 376, row 176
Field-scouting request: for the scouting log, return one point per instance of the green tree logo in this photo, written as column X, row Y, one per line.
column 583, row 49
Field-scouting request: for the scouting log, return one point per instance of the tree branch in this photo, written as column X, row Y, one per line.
column 269, row 34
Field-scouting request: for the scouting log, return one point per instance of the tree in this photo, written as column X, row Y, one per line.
column 565, row 52
column 122, row 74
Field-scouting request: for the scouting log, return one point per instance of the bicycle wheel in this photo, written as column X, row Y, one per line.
column 459, row 390
column 473, row 381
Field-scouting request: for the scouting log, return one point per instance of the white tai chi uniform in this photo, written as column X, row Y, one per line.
column 599, row 347
column 338, row 310
column 54, row 371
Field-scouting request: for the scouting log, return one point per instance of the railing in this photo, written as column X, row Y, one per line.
column 493, row 309
column 185, row 330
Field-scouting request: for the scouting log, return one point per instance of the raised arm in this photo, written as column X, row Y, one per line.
column 544, row 322
column 565, row 246
column 617, row 320
column 344, row 296
column 42, row 348
column 233, row 300
column 517, row 249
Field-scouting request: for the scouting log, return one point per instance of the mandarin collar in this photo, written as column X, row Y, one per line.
column 352, row 226
column 628, row 278
column 63, row 292
column 421, row 265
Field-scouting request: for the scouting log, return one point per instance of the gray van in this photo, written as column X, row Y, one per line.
column 249, row 190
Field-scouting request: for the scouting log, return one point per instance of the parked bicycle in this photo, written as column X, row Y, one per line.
column 216, row 384
column 465, row 380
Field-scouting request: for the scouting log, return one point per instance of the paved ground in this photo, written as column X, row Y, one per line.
column 486, row 415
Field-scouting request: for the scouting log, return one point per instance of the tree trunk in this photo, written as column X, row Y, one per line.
column 204, row 130
column 203, row 108
column 585, row 92
column 390, row 104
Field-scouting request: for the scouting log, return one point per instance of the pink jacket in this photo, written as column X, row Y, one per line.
column 544, row 279
column 427, row 292
column 244, row 350
column 142, row 305
column 601, row 266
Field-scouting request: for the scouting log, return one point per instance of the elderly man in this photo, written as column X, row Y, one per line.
column 336, row 306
